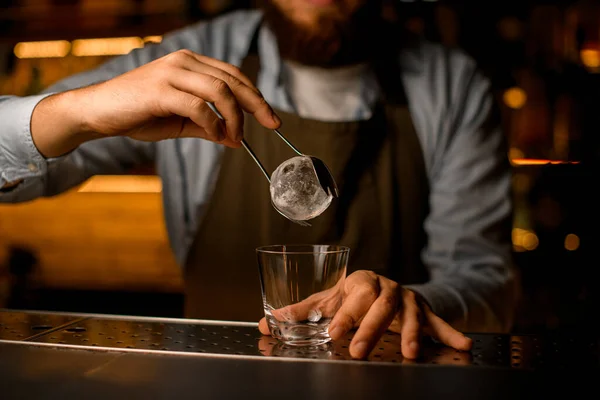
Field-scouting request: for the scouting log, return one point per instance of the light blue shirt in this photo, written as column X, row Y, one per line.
column 473, row 283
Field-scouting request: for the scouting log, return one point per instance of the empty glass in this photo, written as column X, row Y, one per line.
column 302, row 288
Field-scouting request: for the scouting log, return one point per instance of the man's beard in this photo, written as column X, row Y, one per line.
column 335, row 42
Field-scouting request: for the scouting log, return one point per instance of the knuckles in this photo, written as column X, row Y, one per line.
column 178, row 57
column 220, row 87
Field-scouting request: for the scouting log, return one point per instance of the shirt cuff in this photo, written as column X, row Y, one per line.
column 19, row 157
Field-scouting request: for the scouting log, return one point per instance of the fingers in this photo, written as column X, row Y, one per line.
column 323, row 304
column 411, row 325
column 192, row 107
column 199, row 119
column 175, row 96
column 376, row 321
column 362, row 290
column 230, row 69
column 415, row 318
column 248, row 96
column 294, row 313
column 263, row 327
column 264, row 346
column 299, row 311
column 449, row 336
column 214, row 90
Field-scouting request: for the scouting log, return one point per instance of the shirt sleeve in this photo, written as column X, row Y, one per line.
column 473, row 281
column 19, row 158
column 25, row 174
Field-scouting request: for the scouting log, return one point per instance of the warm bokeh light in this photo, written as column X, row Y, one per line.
column 82, row 47
column 571, row 242
column 153, row 39
column 47, row 49
column 515, row 98
column 106, row 46
column 530, row 241
column 515, row 153
column 590, row 58
column 534, row 161
column 122, row 184
column 524, row 240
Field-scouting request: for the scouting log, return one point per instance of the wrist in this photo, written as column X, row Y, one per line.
column 74, row 107
column 419, row 298
column 58, row 124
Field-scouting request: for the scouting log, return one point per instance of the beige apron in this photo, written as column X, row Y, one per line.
column 379, row 167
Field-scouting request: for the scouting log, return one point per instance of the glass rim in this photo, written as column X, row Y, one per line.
column 280, row 249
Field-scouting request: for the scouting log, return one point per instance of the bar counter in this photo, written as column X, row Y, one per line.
column 55, row 355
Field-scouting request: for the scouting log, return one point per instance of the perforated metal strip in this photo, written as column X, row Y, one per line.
column 24, row 326
column 243, row 339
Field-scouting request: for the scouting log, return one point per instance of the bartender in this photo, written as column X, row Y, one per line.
column 406, row 126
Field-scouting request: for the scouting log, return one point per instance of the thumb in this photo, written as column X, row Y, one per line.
column 189, row 129
column 263, row 327
column 174, row 127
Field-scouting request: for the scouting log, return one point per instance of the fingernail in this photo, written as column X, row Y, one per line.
column 468, row 343
column 361, row 349
column 336, row 332
column 414, row 346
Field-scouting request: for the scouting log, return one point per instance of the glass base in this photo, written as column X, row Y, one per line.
column 305, row 342
column 299, row 333
column 320, row 352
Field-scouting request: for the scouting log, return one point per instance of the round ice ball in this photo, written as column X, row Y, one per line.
column 295, row 189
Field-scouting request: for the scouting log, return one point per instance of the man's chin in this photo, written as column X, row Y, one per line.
column 325, row 39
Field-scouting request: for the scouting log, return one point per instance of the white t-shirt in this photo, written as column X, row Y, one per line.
column 340, row 94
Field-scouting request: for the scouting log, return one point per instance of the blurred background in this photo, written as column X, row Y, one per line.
column 102, row 247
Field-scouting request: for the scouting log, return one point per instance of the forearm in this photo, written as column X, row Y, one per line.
column 26, row 173
column 35, row 131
